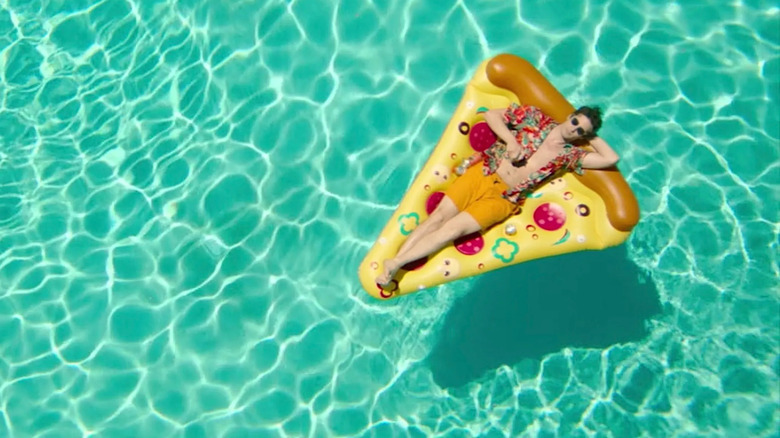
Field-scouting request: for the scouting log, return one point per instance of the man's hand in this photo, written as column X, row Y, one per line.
column 495, row 119
column 513, row 150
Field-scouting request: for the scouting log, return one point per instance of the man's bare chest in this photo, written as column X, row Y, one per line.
column 513, row 175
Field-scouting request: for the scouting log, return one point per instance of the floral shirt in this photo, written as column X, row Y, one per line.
column 530, row 126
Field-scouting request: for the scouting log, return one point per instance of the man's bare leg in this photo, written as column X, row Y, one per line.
column 461, row 225
column 445, row 211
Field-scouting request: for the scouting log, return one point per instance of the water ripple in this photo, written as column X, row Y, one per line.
column 187, row 187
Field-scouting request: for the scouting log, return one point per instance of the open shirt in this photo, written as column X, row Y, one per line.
column 530, row 126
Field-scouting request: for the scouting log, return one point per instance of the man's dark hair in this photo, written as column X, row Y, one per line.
column 594, row 115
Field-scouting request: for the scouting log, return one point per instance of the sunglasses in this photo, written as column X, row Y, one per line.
column 576, row 122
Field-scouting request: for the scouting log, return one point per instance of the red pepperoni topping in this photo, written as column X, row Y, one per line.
column 481, row 136
column 550, row 216
column 470, row 244
column 433, row 201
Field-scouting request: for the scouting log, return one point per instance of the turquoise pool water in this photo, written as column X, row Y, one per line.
column 187, row 188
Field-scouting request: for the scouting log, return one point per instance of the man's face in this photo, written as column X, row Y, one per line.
column 577, row 126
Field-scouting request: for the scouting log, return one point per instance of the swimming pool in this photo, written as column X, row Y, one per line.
column 187, row 188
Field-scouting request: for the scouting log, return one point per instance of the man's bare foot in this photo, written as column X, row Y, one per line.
column 391, row 267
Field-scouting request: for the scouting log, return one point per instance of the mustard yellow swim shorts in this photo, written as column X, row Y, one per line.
column 480, row 196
